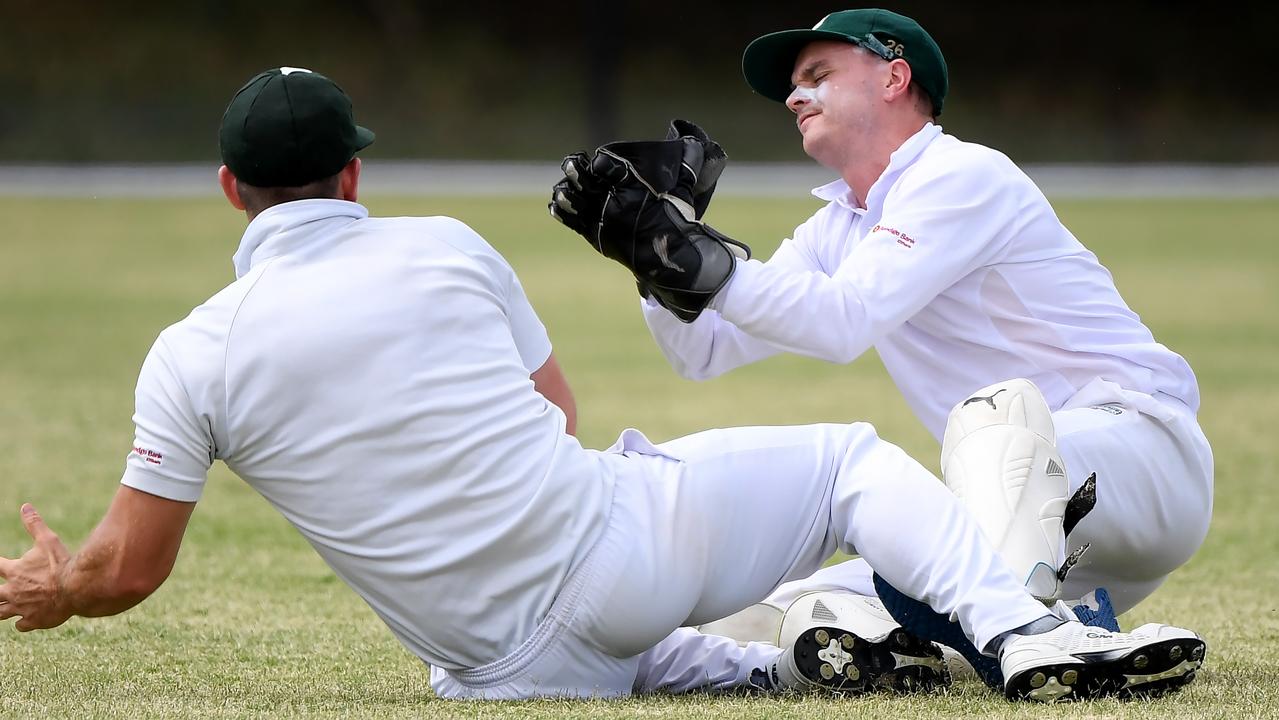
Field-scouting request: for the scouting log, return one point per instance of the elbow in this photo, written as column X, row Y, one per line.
column 844, row 354
column 695, row 371
column 126, row 595
column 698, row 374
column 130, row 588
column 690, row 372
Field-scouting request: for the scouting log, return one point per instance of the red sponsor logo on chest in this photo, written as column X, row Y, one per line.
column 902, row 238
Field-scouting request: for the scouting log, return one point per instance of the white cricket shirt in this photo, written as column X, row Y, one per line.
column 957, row 272
column 370, row 378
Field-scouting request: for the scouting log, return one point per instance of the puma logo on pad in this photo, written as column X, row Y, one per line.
column 990, row 399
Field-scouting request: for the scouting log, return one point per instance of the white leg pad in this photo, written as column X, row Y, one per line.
column 998, row 457
column 1012, row 402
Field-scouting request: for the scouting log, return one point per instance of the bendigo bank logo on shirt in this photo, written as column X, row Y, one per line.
column 150, row 456
column 902, row 238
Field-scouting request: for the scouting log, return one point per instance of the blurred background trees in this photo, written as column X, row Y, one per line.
column 132, row 81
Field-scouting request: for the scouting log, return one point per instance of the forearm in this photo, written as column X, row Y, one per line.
column 94, row 585
column 804, row 312
column 127, row 556
column 705, row 348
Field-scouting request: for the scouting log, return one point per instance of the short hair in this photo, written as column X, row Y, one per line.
column 923, row 102
column 256, row 199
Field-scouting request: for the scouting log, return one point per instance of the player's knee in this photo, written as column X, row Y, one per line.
column 999, row 458
column 1017, row 402
column 1138, row 549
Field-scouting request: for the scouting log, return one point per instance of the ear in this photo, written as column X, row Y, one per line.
column 350, row 180
column 227, row 180
column 897, row 81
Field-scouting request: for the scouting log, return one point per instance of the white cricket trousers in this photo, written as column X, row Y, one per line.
column 709, row 524
column 1154, row 499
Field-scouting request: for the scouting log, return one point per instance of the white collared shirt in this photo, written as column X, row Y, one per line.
column 370, row 378
column 957, row 272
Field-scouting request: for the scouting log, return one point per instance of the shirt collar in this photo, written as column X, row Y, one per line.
column 274, row 229
column 909, row 151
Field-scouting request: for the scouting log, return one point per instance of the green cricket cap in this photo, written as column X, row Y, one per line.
column 289, row 127
column 769, row 60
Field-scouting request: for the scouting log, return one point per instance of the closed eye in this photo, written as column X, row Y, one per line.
column 811, row 73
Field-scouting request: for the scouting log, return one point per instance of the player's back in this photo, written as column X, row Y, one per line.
column 377, row 393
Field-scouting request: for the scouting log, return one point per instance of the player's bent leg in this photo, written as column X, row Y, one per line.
column 762, row 622
column 743, row 510
column 725, row 517
column 688, row 660
column 851, row 647
column 713, row 523
column 903, row 662
column 999, row 458
column 886, row 507
column 1154, row 496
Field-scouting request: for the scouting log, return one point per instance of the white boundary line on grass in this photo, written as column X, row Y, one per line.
column 427, row 178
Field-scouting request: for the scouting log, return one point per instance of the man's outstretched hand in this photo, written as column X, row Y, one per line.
column 31, row 589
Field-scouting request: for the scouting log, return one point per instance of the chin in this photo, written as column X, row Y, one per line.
column 813, row 147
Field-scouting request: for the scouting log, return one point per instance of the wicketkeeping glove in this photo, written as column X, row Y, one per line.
column 640, row 203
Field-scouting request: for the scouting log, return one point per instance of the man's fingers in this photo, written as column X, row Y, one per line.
column 32, row 521
column 608, row 168
column 575, row 167
column 562, row 197
column 37, row 528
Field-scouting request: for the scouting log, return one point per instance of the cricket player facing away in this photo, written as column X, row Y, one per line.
column 944, row 257
column 385, row 384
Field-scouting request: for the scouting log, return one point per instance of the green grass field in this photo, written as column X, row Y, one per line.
column 252, row 624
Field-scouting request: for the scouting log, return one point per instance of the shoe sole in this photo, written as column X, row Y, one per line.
column 839, row 660
column 1147, row 671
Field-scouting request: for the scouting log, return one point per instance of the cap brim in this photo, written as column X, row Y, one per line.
column 769, row 60
column 363, row 137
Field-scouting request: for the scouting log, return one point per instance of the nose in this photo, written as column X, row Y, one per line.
column 795, row 101
column 798, row 98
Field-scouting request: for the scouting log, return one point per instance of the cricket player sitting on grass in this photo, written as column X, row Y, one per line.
column 385, row 384
column 944, row 257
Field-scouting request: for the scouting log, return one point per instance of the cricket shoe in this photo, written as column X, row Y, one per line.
column 917, row 617
column 1077, row 662
column 849, row 643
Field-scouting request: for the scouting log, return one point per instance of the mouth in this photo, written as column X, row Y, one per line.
column 802, row 119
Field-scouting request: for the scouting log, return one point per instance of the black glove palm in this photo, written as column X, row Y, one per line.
column 639, row 203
